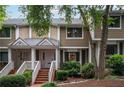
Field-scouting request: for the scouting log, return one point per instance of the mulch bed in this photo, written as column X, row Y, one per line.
column 71, row 79
column 97, row 83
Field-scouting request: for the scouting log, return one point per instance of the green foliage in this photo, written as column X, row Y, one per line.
column 110, row 77
column 61, row 75
column 87, row 70
column 48, row 84
column 13, row 81
column 28, row 77
column 39, row 17
column 73, row 67
column 116, row 62
column 2, row 14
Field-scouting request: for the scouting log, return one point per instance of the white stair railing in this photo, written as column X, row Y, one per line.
column 5, row 71
column 35, row 71
column 51, row 71
column 25, row 66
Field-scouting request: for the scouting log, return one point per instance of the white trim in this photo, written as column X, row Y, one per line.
column 110, row 39
column 3, row 47
column 17, row 32
column 30, row 32
column 74, row 47
column 8, row 37
column 120, row 23
column 49, row 33
column 75, row 37
column 45, row 41
column 18, row 41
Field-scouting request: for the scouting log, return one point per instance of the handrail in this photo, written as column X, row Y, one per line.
column 51, row 71
column 24, row 67
column 7, row 69
column 35, row 71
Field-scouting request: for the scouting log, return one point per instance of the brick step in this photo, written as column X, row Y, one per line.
column 40, row 82
column 42, row 73
column 42, row 76
column 41, row 79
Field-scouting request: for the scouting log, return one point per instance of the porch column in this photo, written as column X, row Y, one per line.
column 90, row 51
column 118, row 47
column 32, row 57
column 98, row 53
column 57, row 58
column 9, row 55
column 80, row 57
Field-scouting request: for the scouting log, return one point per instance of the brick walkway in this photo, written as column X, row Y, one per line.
column 97, row 83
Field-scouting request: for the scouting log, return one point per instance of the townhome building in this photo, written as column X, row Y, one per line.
column 20, row 45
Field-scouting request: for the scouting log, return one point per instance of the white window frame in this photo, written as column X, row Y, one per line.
column 120, row 23
column 74, row 37
column 8, row 37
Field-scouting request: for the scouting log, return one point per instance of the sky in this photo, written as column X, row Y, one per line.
column 13, row 12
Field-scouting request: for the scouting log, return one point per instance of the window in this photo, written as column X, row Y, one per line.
column 72, row 56
column 5, row 32
column 111, row 49
column 116, row 22
column 74, row 32
column 4, row 56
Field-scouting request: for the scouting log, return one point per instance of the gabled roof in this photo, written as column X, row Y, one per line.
column 34, row 42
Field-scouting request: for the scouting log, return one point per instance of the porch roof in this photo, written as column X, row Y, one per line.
column 34, row 43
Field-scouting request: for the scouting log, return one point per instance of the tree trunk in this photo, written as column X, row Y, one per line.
column 103, row 43
column 86, row 28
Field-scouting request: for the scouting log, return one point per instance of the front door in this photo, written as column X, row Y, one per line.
column 19, row 57
column 46, row 57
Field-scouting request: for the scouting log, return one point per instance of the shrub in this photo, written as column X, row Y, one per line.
column 116, row 63
column 13, row 81
column 87, row 70
column 61, row 75
column 71, row 65
column 73, row 72
column 28, row 77
column 110, row 77
column 49, row 84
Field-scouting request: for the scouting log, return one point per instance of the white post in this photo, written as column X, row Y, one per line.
column 30, row 32
column 17, row 32
column 9, row 55
column 32, row 57
column 80, row 57
column 57, row 59
column 98, row 53
column 118, row 47
column 90, row 52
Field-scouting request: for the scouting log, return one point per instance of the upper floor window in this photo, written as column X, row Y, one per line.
column 116, row 23
column 5, row 32
column 74, row 32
